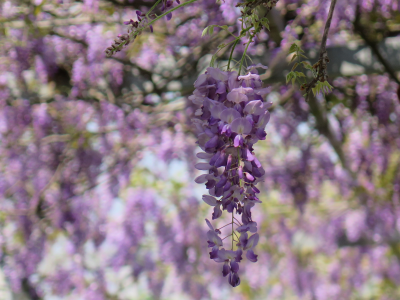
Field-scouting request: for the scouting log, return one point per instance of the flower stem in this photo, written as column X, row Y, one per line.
column 244, row 53
column 237, row 221
column 226, row 237
column 224, row 226
column 153, row 7
column 171, row 10
column 232, row 230
column 230, row 56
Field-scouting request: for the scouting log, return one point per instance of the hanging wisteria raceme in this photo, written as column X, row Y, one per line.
column 231, row 120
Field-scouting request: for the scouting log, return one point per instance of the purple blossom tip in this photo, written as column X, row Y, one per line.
column 209, row 225
column 225, row 269
column 234, row 279
column 251, row 256
column 234, row 266
column 209, row 200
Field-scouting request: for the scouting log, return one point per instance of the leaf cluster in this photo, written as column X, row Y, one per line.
column 300, row 77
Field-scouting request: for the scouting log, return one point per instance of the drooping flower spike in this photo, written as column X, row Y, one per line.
column 231, row 119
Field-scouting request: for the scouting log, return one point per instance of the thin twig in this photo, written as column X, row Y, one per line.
column 323, row 55
column 237, row 221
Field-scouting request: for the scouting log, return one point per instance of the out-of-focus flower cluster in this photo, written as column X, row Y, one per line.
column 135, row 29
column 232, row 118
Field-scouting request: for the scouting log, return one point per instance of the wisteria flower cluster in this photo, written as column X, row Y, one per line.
column 232, row 118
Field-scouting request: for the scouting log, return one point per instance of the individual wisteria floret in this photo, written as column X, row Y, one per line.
column 231, row 119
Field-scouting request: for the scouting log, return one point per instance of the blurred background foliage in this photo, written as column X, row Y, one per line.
column 97, row 154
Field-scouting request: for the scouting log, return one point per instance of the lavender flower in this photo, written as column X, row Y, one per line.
column 231, row 119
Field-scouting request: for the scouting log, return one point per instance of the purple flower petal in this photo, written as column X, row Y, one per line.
column 241, row 126
column 244, row 90
column 203, row 166
column 209, row 225
column 202, row 80
column 222, row 182
column 229, row 115
column 255, row 107
column 252, row 242
column 226, row 254
column 214, row 238
column 221, row 88
column 263, row 120
column 209, row 200
column 234, row 266
column 203, row 155
column 252, row 227
column 234, row 279
column 249, row 176
column 201, row 179
column 225, row 270
column 214, row 252
column 236, row 97
column 212, row 143
column 249, row 155
column 240, row 172
column 238, row 141
column 217, row 212
column 243, row 228
column 217, row 74
column 217, row 110
column 243, row 238
column 249, row 76
column 251, row 256
column 228, row 162
column 169, row 16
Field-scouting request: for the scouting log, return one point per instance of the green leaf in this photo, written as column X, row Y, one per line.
column 314, row 90
column 293, row 48
column 300, row 74
column 204, row 31
column 288, row 77
column 293, row 58
column 265, row 23
column 307, row 65
column 303, row 56
column 209, row 29
column 214, row 57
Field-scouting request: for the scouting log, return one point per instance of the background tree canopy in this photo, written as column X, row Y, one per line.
column 97, row 154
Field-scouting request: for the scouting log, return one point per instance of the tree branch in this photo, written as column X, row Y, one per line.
column 359, row 28
column 324, row 128
column 323, row 55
